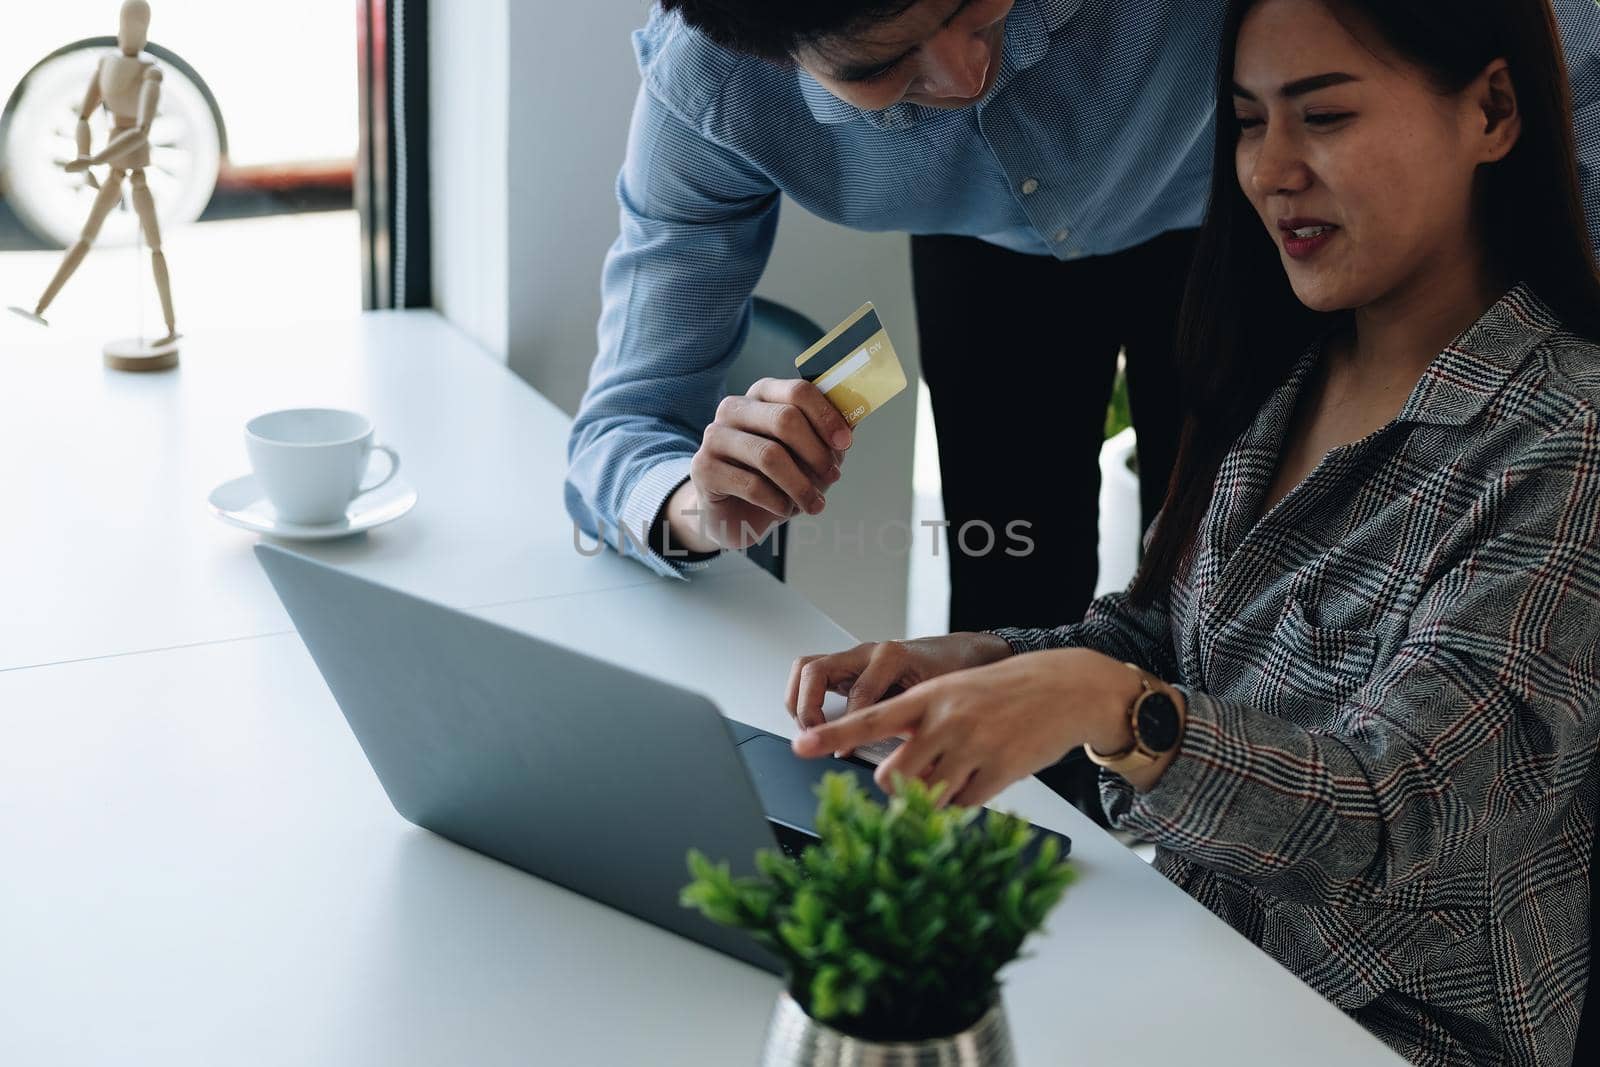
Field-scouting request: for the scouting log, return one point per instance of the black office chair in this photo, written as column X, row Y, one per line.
column 777, row 335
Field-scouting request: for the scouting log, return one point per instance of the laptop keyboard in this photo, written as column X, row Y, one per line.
column 877, row 753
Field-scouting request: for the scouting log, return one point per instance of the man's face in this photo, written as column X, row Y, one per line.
column 938, row 53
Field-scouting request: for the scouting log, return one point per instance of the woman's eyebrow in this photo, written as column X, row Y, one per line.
column 1302, row 86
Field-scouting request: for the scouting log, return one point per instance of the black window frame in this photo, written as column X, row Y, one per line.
column 391, row 186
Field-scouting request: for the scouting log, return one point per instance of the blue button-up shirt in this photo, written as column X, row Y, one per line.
column 1095, row 137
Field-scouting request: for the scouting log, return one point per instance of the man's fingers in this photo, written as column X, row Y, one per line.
column 718, row 477
column 768, row 458
column 786, row 424
column 877, row 723
column 823, row 416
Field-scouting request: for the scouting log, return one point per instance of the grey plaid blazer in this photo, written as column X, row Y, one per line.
column 1389, row 777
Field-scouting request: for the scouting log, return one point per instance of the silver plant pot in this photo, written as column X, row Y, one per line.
column 794, row 1039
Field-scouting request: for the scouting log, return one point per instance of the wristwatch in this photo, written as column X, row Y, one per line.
column 1157, row 720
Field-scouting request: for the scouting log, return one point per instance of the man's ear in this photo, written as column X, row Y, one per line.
column 1497, row 120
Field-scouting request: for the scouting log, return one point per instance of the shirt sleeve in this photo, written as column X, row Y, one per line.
column 1486, row 712
column 697, row 228
column 1115, row 626
column 1579, row 22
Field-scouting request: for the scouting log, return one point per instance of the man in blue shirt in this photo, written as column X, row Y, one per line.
column 1050, row 158
column 1049, row 147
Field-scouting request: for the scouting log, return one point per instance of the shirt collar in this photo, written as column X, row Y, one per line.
column 1474, row 368
column 1028, row 30
column 1457, row 386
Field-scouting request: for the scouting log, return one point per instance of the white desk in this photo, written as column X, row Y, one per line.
column 201, row 868
column 108, row 546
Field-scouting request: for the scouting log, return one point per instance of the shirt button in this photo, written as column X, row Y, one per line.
column 1062, row 234
column 1030, row 186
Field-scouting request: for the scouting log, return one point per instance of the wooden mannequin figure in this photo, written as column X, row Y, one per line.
column 129, row 87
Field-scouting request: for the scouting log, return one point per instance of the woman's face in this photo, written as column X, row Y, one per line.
column 1362, row 172
column 938, row 53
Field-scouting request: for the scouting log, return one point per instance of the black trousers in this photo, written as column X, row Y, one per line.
column 1019, row 353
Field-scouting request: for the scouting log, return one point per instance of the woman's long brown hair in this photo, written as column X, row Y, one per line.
column 1242, row 329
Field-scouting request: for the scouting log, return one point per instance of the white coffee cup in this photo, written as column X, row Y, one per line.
column 311, row 461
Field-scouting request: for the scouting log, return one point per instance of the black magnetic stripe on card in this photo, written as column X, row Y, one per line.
column 842, row 346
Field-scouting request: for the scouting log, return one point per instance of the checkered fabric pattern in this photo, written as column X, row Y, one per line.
column 1388, row 780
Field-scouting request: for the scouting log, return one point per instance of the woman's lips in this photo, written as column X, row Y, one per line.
column 1304, row 238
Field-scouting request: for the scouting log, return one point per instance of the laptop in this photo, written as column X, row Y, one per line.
column 572, row 769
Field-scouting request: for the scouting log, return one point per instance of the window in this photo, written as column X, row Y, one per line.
column 252, row 156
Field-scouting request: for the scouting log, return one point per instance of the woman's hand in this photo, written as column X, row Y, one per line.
column 978, row 730
column 867, row 672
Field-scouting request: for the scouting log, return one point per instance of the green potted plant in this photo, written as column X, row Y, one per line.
column 894, row 926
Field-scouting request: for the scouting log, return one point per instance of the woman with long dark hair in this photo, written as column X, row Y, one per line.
column 1354, row 692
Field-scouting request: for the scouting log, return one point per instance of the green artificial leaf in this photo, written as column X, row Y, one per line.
column 1011, row 904
column 864, row 966
column 825, row 1000
column 930, row 932
column 809, row 909
column 853, row 1000
column 797, row 938
column 886, row 908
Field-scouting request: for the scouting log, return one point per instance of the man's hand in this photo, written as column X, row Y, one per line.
column 767, row 456
column 868, row 672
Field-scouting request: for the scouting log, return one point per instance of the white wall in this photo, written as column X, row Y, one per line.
column 467, row 132
column 573, row 80
column 568, row 90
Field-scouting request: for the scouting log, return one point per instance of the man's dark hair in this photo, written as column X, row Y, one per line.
column 777, row 29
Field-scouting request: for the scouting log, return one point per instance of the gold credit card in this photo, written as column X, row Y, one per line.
column 854, row 365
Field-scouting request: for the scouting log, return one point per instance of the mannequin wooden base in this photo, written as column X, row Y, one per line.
column 30, row 316
column 137, row 354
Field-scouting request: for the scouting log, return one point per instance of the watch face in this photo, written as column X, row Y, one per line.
column 1158, row 722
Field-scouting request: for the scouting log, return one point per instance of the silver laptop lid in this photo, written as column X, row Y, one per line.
column 576, row 770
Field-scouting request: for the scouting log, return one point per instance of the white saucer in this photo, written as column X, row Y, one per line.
column 241, row 503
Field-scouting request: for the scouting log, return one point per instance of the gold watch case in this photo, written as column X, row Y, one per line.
column 1138, row 755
